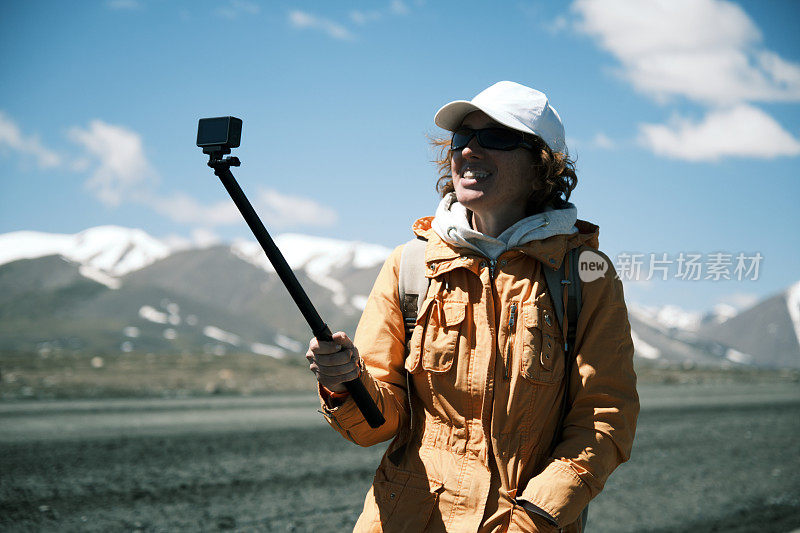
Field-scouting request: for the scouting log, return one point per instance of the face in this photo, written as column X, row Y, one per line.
column 491, row 183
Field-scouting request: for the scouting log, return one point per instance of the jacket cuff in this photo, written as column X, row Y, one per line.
column 331, row 399
column 559, row 492
column 343, row 411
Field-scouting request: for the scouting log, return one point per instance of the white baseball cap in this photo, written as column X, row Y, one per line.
column 513, row 105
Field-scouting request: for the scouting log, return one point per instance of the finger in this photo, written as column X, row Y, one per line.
column 323, row 347
column 332, row 381
column 340, row 337
column 334, row 359
column 336, row 370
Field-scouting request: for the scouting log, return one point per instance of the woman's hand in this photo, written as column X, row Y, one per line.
column 334, row 362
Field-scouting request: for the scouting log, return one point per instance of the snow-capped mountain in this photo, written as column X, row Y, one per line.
column 115, row 289
column 765, row 334
column 119, row 289
column 666, row 317
column 320, row 258
column 104, row 253
column 672, row 317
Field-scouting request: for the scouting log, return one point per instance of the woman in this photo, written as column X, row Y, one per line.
column 475, row 402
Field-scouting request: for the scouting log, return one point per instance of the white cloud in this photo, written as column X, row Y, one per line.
column 121, row 168
column 709, row 51
column 283, row 210
column 276, row 209
column 740, row 131
column 302, row 20
column 233, row 9
column 398, row 7
column 177, row 242
column 365, row 17
column 204, row 238
column 740, row 301
column 120, row 172
column 185, row 209
column 558, row 25
column 601, row 140
column 124, row 4
column 11, row 137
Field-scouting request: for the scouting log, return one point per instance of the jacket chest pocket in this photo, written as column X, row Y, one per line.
column 542, row 358
column 435, row 340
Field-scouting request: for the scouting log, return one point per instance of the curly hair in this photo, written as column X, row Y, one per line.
column 554, row 175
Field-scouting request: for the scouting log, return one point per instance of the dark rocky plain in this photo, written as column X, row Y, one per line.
column 713, row 452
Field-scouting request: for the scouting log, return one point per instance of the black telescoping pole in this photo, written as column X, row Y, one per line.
column 320, row 330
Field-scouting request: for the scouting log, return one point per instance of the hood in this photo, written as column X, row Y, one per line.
column 452, row 226
column 549, row 250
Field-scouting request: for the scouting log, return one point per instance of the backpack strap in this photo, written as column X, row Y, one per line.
column 412, row 283
column 556, row 280
column 412, row 286
column 573, row 299
column 565, row 282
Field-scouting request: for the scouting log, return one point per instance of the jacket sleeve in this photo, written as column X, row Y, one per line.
column 380, row 339
column 600, row 423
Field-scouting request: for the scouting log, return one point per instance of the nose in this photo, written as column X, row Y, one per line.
column 473, row 150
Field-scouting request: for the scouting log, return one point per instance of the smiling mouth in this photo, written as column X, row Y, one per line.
column 474, row 174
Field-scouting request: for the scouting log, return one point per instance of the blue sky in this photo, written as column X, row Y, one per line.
column 683, row 116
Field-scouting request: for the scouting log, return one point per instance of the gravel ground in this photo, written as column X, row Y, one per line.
column 705, row 459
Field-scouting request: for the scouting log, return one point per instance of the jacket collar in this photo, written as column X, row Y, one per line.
column 441, row 256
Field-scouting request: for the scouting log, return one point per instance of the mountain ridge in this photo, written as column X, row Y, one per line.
column 119, row 280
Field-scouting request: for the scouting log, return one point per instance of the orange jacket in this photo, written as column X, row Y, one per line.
column 486, row 366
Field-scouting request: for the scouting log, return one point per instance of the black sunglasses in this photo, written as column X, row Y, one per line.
column 492, row 138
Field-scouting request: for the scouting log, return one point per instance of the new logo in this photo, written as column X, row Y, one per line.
column 591, row 266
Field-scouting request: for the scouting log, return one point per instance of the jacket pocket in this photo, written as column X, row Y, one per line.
column 542, row 356
column 443, row 321
column 404, row 499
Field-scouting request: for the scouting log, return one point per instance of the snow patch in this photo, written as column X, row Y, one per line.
column 153, row 315
column 99, row 276
column 290, row 344
column 111, row 250
column 267, row 349
column 318, row 257
column 643, row 349
column 723, row 313
column 793, row 305
column 221, row 335
column 667, row 317
column 739, row 357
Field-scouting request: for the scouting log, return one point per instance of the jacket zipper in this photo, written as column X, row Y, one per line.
column 492, row 265
column 512, row 321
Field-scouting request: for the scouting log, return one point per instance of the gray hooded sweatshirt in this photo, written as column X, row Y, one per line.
column 452, row 225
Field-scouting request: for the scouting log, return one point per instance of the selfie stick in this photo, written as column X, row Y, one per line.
column 321, row 331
